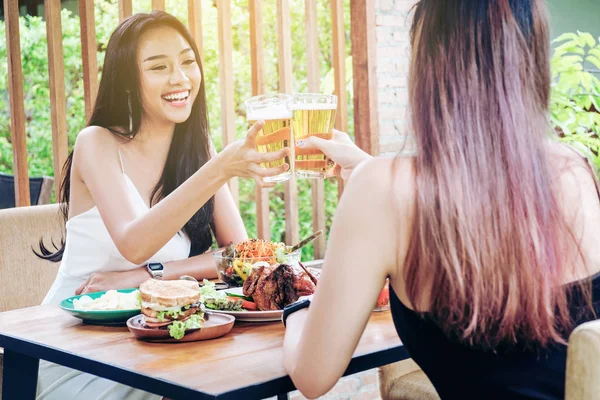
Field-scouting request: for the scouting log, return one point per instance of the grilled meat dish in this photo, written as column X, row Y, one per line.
column 274, row 287
column 304, row 283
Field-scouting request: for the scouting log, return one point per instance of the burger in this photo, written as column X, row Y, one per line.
column 173, row 305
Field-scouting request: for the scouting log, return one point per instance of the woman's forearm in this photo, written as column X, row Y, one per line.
column 167, row 217
column 200, row 267
column 312, row 380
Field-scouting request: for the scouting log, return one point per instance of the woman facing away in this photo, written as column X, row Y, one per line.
column 488, row 234
column 143, row 184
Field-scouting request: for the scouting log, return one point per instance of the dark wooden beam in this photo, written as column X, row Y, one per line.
column 58, row 99
column 17, row 105
column 317, row 186
column 125, row 9
column 364, row 61
column 88, row 54
column 284, row 37
column 257, row 57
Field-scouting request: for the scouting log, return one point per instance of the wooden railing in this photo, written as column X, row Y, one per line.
column 365, row 86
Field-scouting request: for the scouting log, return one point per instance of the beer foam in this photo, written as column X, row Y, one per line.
column 279, row 111
column 313, row 106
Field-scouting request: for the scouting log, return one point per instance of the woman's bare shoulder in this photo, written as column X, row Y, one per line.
column 386, row 187
column 388, row 167
column 571, row 170
column 391, row 176
column 95, row 148
column 94, row 136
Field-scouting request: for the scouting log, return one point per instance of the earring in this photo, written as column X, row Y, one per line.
column 130, row 114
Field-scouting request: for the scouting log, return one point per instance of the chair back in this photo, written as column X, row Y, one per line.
column 24, row 278
column 583, row 362
column 40, row 190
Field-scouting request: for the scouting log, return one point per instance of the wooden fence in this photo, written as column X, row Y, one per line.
column 365, row 85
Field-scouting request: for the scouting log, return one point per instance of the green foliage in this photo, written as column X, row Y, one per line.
column 575, row 102
column 37, row 100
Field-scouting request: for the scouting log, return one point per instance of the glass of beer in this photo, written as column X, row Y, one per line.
column 275, row 110
column 313, row 115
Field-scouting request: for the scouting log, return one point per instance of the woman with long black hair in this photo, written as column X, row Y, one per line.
column 143, row 188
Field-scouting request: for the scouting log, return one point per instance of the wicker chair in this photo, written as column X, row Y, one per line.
column 406, row 381
column 40, row 190
column 25, row 278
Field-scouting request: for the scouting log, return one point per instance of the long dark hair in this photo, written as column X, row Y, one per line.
column 489, row 235
column 190, row 146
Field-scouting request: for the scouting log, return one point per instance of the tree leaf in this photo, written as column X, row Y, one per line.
column 571, row 46
column 566, row 36
column 589, row 39
column 594, row 60
column 586, row 80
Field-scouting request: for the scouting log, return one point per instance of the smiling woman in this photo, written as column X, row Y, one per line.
column 143, row 191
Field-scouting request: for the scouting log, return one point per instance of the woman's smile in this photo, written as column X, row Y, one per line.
column 178, row 98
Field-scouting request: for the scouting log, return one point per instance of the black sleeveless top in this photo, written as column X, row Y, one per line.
column 459, row 372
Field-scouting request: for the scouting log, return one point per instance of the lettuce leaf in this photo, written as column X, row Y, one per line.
column 281, row 254
column 177, row 328
column 173, row 314
column 208, row 291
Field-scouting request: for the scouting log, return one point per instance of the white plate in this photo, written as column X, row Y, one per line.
column 251, row 316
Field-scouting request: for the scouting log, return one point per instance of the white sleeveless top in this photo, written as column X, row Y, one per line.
column 89, row 248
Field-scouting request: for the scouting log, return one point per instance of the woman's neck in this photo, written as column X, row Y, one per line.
column 154, row 138
column 152, row 129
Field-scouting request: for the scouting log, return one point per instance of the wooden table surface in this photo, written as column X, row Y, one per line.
column 247, row 362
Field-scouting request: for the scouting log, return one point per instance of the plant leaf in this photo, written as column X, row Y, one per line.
column 566, row 36
column 589, row 39
column 594, row 60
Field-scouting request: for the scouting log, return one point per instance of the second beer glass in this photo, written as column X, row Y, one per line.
column 275, row 110
column 313, row 115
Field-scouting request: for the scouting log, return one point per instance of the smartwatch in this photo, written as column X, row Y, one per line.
column 292, row 308
column 155, row 270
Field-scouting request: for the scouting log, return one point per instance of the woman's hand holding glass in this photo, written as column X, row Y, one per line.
column 341, row 149
column 241, row 158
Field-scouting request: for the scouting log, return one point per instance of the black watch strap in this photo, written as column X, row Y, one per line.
column 292, row 308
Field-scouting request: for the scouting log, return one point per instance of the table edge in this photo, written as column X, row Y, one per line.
column 101, row 369
column 171, row 389
column 284, row 384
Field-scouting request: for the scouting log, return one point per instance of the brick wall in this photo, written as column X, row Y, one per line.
column 392, row 69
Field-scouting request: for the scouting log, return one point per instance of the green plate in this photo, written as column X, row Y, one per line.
column 100, row 317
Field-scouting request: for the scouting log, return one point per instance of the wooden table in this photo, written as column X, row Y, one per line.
column 247, row 363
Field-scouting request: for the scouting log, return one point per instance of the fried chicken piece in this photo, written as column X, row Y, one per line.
column 303, row 283
column 272, row 288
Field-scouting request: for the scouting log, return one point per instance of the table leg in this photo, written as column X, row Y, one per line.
column 283, row 396
column 19, row 376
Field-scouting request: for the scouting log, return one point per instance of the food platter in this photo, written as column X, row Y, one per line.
column 254, row 316
column 99, row 317
column 250, row 316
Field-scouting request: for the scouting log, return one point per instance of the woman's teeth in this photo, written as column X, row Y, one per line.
column 177, row 97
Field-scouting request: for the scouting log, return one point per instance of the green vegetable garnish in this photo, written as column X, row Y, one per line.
column 177, row 328
column 174, row 314
column 281, row 254
column 241, row 296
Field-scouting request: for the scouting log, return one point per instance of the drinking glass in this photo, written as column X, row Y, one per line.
column 313, row 115
column 275, row 110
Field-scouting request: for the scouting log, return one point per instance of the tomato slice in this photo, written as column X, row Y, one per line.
column 248, row 305
column 384, row 298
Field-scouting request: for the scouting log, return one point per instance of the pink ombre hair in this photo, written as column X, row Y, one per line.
column 488, row 235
